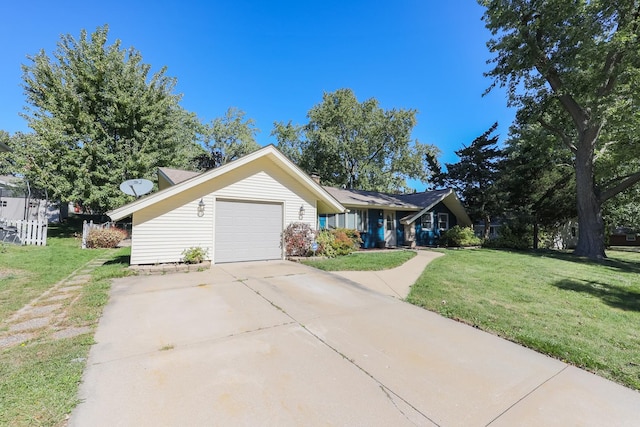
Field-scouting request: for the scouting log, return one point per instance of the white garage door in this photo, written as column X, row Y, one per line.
column 247, row 231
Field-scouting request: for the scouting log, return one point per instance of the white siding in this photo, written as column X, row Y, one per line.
column 160, row 235
column 275, row 186
column 164, row 230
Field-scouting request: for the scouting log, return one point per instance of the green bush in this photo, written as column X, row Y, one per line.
column 105, row 237
column 460, row 236
column 514, row 235
column 194, row 255
column 326, row 243
column 338, row 242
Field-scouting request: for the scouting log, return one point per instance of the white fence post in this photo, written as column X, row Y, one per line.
column 85, row 232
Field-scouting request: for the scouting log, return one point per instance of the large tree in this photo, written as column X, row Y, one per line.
column 226, row 139
column 356, row 144
column 573, row 67
column 100, row 117
column 474, row 177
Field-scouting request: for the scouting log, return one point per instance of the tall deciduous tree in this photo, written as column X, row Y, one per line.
column 573, row 67
column 228, row 138
column 100, row 117
column 475, row 175
column 356, row 144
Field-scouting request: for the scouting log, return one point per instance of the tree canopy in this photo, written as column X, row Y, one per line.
column 100, row 117
column 573, row 69
column 226, row 139
column 358, row 145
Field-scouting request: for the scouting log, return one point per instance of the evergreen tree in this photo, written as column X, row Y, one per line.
column 474, row 177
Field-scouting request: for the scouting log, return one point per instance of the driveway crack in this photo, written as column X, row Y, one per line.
column 386, row 390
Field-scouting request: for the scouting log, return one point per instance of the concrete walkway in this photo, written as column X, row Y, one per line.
column 395, row 282
column 279, row 343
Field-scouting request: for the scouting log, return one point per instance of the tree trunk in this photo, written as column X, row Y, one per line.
column 590, row 223
column 536, row 232
column 487, row 226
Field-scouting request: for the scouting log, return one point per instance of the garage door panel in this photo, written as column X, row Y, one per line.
column 247, row 231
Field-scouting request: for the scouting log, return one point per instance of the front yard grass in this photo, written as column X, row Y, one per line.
column 39, row 378
column 363, row 261
column 583, row 312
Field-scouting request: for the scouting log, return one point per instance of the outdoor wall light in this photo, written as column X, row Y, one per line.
column 301, row 212
column 201, row 206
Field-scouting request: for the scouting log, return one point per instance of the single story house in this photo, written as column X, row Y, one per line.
column 236, row 212
column 624, row 236
column 389, row 220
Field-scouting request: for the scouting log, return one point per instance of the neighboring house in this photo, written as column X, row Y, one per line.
column 389, row 220
column 237, row 212
column 624, row 236
column 494, row 228
column 4, row 147
column 17, row 202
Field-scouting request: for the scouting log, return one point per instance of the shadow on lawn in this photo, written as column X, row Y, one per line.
column 616, row 264
column 613, row 295
column 122, row 259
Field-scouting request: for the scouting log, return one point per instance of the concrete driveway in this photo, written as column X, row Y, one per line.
column 279, row 343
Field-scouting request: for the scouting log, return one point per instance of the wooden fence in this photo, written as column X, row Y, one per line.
column 25, row 232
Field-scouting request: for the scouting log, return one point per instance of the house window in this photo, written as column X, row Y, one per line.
column 443, row 221
column 356, row 220
column 362, row 220
column 3, row 204
column 426, row 221
column 328, row 221
column 631, row 237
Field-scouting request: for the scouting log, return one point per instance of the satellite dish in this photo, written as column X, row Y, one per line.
column 136, row 187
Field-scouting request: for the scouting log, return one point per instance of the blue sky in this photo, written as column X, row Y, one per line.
column 274, row 59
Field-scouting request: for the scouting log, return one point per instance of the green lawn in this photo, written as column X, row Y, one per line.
column 39, row 378
column 27, row 271
column 582, row 312
column 363, row 261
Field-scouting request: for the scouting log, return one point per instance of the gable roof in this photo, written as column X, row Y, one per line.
column 4, row 147
column 176, row 176
column 270, row 152
column 448, row 198
column 419, row 202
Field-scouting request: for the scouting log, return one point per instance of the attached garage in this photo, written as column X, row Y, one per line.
column 235, row 212
column 247, row 231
